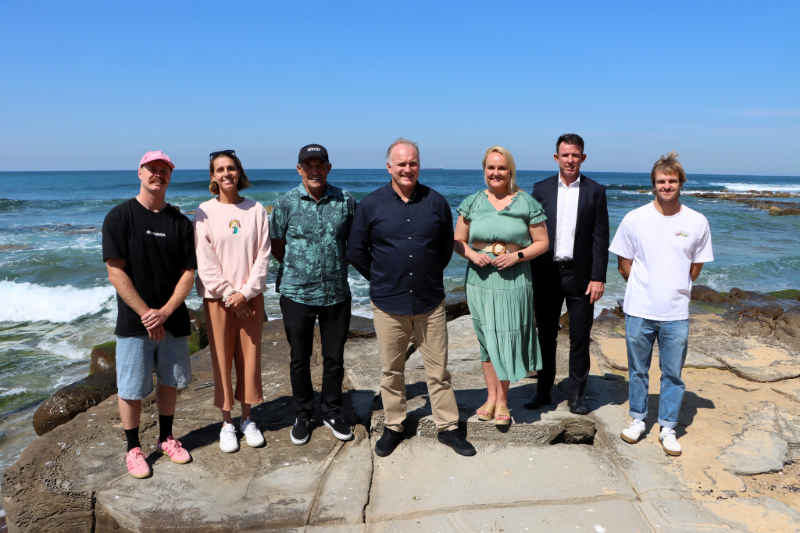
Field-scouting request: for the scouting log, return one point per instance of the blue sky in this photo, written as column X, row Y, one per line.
column 93, row 85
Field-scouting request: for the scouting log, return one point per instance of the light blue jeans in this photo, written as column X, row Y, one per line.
column 673, row 342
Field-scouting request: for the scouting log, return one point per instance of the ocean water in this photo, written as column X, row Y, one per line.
column 56, row 301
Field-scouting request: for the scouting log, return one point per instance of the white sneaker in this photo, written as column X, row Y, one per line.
column 669, row 442
column 228, row 442
column 251, row 433
column 633, row 432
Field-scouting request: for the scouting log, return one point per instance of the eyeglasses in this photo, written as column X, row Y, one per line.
column 212, row 155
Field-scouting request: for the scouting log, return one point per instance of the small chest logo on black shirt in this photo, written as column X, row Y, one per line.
column 156, row 233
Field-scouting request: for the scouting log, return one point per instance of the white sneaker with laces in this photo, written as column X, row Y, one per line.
column 228, row 442
column 669, row 442
column 633, row 432
column 252, row 435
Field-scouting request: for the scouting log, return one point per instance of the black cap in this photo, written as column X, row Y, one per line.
column 313, row 150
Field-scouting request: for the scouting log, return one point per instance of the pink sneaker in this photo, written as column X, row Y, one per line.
column 174, row 449
column 137, row 464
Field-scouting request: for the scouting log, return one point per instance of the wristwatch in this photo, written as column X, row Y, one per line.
column 519, row 254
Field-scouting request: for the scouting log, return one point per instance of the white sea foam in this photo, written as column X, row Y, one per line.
column 12, row 392
column 775, row 187
column 29, row 302
column 63, row 349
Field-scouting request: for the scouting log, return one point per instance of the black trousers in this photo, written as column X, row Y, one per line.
column 549, row 294
column 334, row 323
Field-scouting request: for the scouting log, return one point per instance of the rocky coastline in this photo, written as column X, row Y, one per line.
column 744, row 349
column 772, row 202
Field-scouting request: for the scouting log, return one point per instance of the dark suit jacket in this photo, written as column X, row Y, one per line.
column 590, row 253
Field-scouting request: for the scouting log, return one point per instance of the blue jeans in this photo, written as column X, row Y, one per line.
column 673, row 342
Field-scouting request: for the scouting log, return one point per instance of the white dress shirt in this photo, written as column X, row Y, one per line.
column 567, row 219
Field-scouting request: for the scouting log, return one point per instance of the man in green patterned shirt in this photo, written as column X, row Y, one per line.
column 309, row 226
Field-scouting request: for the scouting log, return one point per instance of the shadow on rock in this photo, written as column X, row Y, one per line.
column 692, row 403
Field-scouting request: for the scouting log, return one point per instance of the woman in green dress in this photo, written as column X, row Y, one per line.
column 506, row 229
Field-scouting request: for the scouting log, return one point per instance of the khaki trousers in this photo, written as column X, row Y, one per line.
column 430, row 331
column 235, row 340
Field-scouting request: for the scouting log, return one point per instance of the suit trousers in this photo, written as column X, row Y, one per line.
column 430, row 332
column 334, row 323
column 549, row 294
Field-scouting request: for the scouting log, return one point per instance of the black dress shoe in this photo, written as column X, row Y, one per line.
column 576, row 405
column 538, row 400
column 388, row 442
column 454, row 439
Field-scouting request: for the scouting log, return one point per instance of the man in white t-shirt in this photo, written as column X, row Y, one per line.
column 661, row 248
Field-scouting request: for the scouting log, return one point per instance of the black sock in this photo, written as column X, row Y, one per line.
column 133, row 438
column 165, row 426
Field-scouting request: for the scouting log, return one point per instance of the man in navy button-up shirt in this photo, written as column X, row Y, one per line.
column 401, row 241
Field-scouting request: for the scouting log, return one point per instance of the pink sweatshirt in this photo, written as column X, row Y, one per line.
column 233, row 248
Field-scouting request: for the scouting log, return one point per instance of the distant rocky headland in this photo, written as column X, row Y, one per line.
column 765, row 200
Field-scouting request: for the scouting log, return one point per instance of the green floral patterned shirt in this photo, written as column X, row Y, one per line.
column 314, row 269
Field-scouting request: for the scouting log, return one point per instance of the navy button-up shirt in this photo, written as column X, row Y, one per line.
column 402, row 248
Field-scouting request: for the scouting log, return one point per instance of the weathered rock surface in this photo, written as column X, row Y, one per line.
column 405, row 487
column 76, row 398
column 706, row 294
column 755, row 452
column 764, row 355
column 103, row 357
column 526, row 476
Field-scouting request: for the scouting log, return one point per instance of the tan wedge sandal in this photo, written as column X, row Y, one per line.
column 502, row 410
column 487, row 408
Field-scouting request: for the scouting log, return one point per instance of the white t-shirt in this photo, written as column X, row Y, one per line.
column 663, row 249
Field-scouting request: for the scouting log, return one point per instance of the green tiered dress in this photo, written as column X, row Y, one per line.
column 501, row 301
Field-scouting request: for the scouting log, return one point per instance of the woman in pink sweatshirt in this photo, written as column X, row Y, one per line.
column 233, row 246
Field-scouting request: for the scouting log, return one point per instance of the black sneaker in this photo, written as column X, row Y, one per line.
column 388, row 442
column 300, row 432
column 339, row 427
column 459, row 444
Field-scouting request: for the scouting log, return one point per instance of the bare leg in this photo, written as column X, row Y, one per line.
column 166, row 397
column 226, row 415
column 502, row 392
column 492, row 383
column 498, row 390
column 130, row 412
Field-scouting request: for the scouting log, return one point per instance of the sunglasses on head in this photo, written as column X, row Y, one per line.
column 212, row 155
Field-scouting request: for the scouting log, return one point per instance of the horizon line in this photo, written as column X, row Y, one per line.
column 426, row 168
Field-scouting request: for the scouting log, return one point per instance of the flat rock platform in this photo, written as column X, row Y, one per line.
column 550, row 471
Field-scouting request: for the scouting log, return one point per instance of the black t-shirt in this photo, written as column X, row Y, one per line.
column 155, row 247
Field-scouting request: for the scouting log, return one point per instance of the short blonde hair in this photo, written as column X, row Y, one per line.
column 669, row 166
column 512, row 167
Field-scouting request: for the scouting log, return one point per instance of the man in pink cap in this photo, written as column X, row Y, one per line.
column 148, row 247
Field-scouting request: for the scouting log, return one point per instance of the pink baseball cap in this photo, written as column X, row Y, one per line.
column 158, row 155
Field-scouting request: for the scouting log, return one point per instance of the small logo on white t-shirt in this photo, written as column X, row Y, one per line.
column 156, row 234
column 681, row 234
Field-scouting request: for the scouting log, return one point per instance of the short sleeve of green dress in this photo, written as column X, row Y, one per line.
column 501, row 301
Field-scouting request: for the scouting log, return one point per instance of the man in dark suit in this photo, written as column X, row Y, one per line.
column 572, row 269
